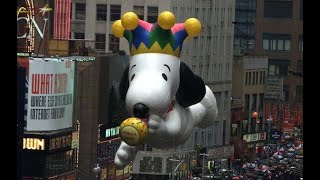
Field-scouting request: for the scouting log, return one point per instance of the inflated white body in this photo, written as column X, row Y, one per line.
column 166, row 129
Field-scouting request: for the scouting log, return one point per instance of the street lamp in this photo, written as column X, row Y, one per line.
column 97, row 170
column 203, row 156
column 269, row 120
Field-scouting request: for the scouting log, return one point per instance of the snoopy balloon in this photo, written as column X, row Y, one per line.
column 164, row 97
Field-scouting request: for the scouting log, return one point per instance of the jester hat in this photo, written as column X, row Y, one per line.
column 164, row 37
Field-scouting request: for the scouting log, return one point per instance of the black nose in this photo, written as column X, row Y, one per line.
column 140, row 110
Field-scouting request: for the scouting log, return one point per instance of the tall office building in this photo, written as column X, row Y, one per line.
column 245, row 25
column 279, row 35
column 271, row 29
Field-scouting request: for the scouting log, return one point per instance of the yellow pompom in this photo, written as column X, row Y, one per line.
column 166, row 20
column 117, row 29
column 133, row 131
column 193, row 26
column 130, row 20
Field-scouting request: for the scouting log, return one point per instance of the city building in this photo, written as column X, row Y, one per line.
column 48, row 134
column 248, row 87
column 97, row 95
column 47, row 139
column 279, row 35
column 244, row 26
column 275, row 27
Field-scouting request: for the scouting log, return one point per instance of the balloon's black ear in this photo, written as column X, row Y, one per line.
column 124, row 84
column 191, row 88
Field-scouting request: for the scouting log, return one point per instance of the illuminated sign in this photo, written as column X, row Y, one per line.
column 23, row 54
column 112, row 131
column 254, row 137
column 75, row 140
column 60, row 142
column 34, row 23
column 33, row 143
column 107, row 149
column 27, row 22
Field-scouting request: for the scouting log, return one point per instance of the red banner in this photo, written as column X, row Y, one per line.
column 282, row 111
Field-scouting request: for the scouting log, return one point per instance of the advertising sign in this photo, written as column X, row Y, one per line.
column 220, row 152
column 273, row 88
column 159, row 163
column 33, row 144
column 75, row 140
column 50, row 95
column 254, row 137
column 60, row 142
column 107, row 149
column 275, row 134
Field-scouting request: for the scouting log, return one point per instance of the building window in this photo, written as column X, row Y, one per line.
column 257, row 74
column 286, row 93
column 100, row 42
column 59, row 163
column 209, row 139
column 216, row 132
column 276, row 42
column 74, row 45
column 246, row 80
column 300, row 66
column 246, row 102
column 203, row 139
column 254, row 102
column 301, row 10
column 152, row 14
column 226, row 103
column 224, row 132
column 139, row 10
column 261, row 77
column 261, row 98
column 253, row 78
column 278, row 9
column 78, row 35
column 278, row 67
column 264, row 77
column 113, row 43
column 218, row 98
column 115, row 12
column 194, row 67
column 101, row 12
column 249, row 83
column 300, row 43
column 196, row 138
column 80, row 11
column 299, row 94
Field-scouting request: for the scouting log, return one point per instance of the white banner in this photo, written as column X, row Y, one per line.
column 50, row 95
column 221, row 152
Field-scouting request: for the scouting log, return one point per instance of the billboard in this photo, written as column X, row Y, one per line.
column 161, row 163
column 274, row 88
column 106, row 150
column 254, row 137
column 50, row 94
column 219, row 152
